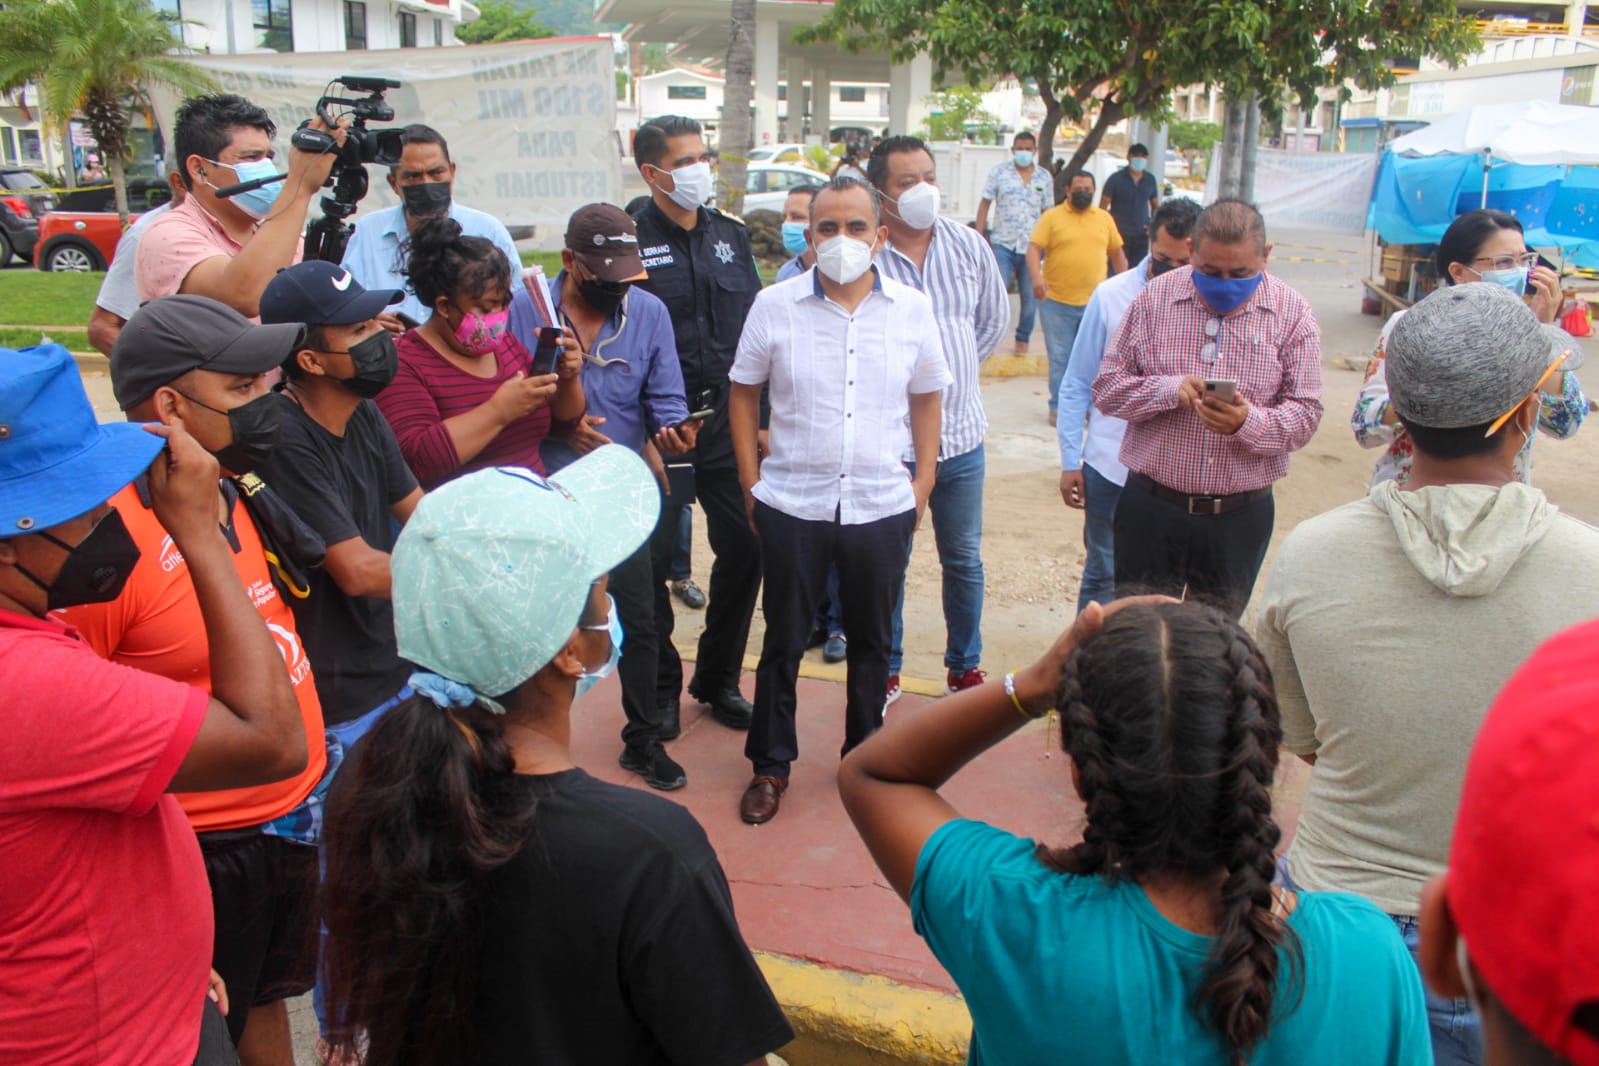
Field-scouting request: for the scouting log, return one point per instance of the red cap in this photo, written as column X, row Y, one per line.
column 1524, row 863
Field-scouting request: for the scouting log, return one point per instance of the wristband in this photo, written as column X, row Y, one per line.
column 1010, row 690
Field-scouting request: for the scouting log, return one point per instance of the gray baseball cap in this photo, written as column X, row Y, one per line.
column 1468, row 354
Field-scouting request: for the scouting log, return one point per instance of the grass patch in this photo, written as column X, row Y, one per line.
column 76, row 340
column 36, row 298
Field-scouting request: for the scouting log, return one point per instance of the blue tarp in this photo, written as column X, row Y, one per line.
column 1417, row 198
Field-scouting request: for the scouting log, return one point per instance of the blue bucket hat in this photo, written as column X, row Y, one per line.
column 491, row 573
column 56, row 460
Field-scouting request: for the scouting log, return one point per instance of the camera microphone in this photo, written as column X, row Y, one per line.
column 245, row 186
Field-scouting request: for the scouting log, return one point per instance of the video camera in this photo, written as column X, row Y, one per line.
column 327, row 236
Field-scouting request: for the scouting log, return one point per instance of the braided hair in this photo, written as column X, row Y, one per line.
column 1169, row 715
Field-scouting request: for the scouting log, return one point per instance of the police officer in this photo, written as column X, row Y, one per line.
column 701, row 267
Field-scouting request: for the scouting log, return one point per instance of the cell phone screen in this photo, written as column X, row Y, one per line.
column 548, row 351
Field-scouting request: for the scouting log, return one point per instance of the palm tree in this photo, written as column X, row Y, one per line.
column 93, row 57
column 736, row 139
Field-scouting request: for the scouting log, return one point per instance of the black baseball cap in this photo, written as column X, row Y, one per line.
column 322, row 294
column 605, row 238
column 167, row 338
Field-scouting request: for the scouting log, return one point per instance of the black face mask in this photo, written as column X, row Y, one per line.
column 429, row 198
column 604, row 296
column 95, row 570
column 1157, row 268
column 255, row 431
column 1081, row 199
column 376, row 362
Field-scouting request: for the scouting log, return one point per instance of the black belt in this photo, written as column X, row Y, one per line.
column 1198, row 505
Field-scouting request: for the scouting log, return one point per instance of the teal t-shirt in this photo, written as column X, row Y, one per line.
column 1058, row 968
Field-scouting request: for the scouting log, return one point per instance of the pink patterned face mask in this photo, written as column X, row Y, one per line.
column 482, row 333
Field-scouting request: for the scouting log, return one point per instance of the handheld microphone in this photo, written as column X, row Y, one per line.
column 245, row 186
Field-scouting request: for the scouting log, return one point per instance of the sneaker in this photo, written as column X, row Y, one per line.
column 834, row 651
column 959, row 679
column 656, row 767
column 689, row 593
column 893, row 690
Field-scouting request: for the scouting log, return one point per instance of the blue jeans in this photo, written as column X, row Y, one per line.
column 1099, row 538
column 1060, row 323
column 1455, row 1029
column 956, row 507
column 1014, row 264
column 829, row 615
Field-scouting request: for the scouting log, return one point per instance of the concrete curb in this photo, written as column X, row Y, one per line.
column 850, row 1019
column 1015, row 366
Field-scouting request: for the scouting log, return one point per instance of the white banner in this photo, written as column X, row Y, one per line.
column 1327, row 191
column 530, row 124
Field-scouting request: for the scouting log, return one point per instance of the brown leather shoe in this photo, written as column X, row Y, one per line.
column 761, row 799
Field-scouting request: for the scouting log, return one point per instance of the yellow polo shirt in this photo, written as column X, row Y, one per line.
column 1076, row 246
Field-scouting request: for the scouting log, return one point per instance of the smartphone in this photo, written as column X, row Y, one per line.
column 406, row 320
column 699, row 416
column 1222, row 389
column 548, row 351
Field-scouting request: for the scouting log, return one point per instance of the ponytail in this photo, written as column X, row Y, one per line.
column 1169, row 715
column 440, row 261
column 420, row 813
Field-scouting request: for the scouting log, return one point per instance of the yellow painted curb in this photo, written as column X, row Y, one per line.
column 838, row 672
column 1015, row 366
column 850, row 1019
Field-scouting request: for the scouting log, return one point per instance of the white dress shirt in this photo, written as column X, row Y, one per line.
column 840, row 384
column 961, row 277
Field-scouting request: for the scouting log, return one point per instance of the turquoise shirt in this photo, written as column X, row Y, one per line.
column 1058, row 968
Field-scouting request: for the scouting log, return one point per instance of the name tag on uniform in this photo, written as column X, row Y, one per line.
column 658, row 255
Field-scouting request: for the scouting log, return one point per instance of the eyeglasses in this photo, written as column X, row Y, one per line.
column 1499, row 422
column 1213, row 331
column 1509, row 262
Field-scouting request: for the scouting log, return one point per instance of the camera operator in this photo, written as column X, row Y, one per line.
column 424, row 181
column 229, row 248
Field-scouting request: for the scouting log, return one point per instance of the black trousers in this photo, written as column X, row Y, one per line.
column 632, row 587
column 663, row 544
column 871, row 561
column 1160, row 547
column 735, row 581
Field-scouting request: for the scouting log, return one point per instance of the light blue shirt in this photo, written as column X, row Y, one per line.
column 791, row 269
column 374, row 257
column 1100, row 446
column 118, row 293
column 1073, row 968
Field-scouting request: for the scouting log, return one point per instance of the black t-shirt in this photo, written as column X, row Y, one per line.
column 706, row 276
column 1129, row 200
column 612, row 942
column 342, row 487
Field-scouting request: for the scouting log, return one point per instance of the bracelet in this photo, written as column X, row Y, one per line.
column 1010, row 690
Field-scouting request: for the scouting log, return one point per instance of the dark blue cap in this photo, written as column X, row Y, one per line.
column 322, row 294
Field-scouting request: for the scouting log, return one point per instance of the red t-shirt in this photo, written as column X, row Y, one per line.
column 429, row 388
column 156, row 625
column 105, row 913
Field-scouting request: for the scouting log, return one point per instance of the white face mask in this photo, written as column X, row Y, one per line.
column 843, row 259
column 692, row 185
column 918, row 206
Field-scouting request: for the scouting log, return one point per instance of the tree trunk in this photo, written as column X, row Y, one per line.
column 1249, row 151
column 1046, row 132
column 1110, row 112
column 119, row 185
column 737, row 138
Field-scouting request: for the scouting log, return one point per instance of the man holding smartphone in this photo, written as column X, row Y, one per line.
column 634, row 386
column 1217, row 371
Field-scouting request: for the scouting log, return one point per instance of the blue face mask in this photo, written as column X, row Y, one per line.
column 257, row 203
column 1226, row 294
column 1514, row 279
column 1023, row 159
column 1138, row 164
column 589, row 678
column 794, row 238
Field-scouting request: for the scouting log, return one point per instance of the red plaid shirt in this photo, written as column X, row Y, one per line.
column 1271, row 346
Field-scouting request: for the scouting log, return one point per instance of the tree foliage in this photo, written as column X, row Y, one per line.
column 955, row 112
column 501, row 20
column 94, row 58
column 1124, row 59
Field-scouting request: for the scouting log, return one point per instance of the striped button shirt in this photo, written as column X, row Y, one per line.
column 970, row 305
column 1271, row 346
